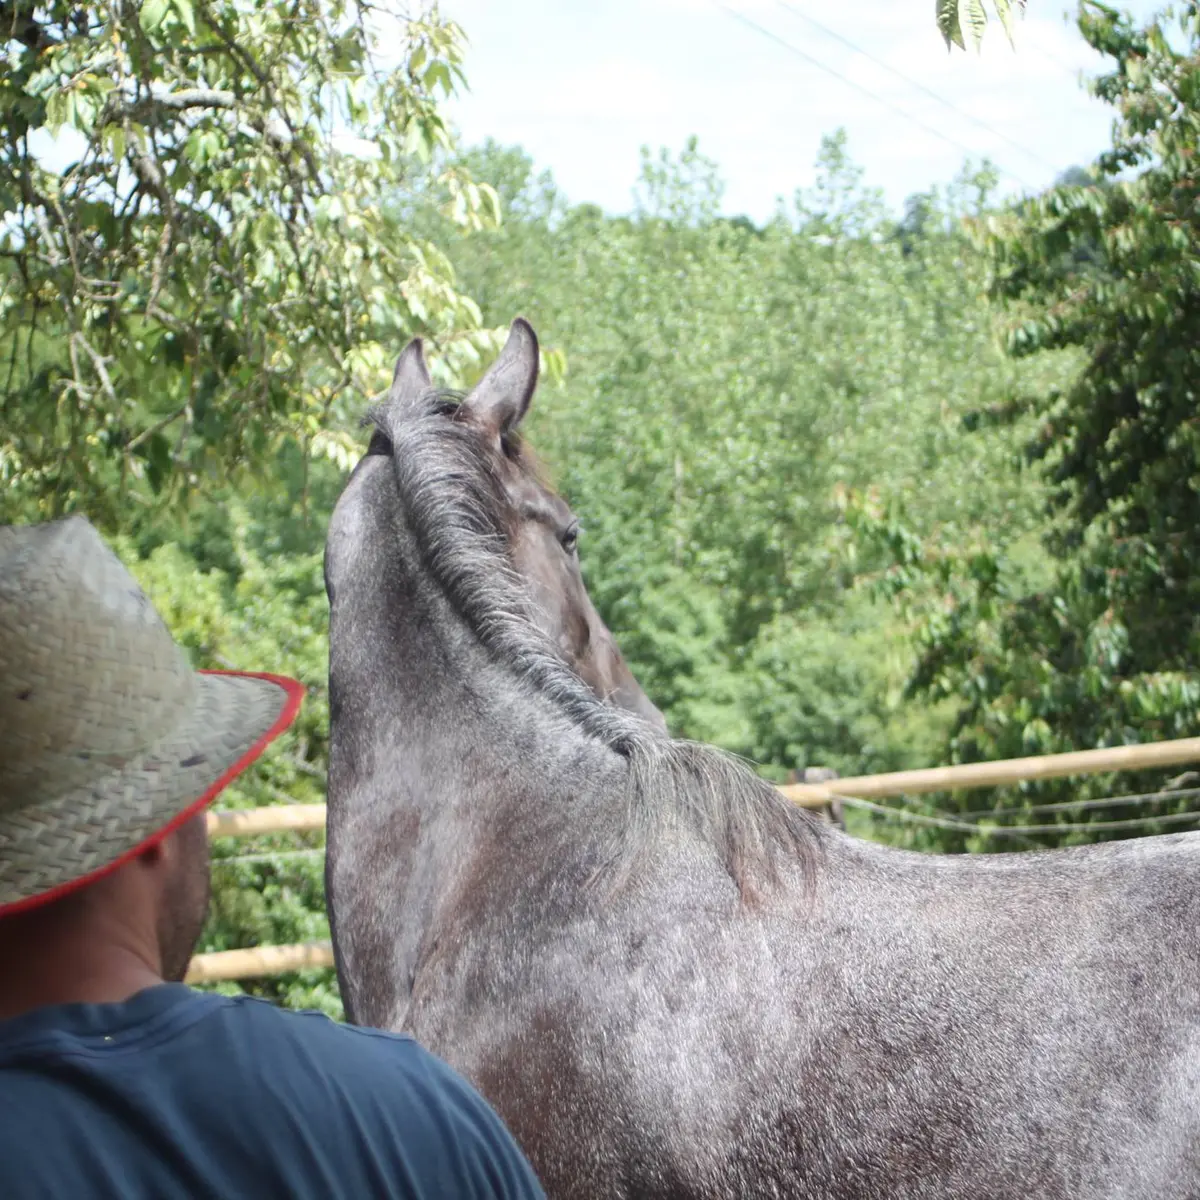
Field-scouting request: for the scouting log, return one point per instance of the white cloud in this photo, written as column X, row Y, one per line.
column 612, row 90
column 355, row 146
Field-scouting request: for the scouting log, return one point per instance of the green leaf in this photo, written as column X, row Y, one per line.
column 956, row 16
column 186, row 13
column 152, row 13
column 157, row 455
column 437, row 74
column 417, row 142
column 973, row 18
column 948, row 23
column 1004, row 12
column 59, row 109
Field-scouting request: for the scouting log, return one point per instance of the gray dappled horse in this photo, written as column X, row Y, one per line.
column 668, row 981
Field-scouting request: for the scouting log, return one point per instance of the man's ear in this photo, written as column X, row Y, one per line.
column 153, row 854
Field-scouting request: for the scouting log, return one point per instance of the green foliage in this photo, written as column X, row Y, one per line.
column 262, row 610
column 959, row 20
column 215, row 272
column 733, row 390
column 1098, row 645
column 729, row 387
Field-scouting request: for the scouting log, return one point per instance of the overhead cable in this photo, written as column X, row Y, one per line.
column 858, row 87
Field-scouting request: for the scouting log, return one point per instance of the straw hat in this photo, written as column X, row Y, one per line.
column 108, row 738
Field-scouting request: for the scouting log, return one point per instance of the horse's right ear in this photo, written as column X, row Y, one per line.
column 500, row 400
column 411, row 376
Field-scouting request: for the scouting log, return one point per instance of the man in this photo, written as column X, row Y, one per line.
column 116, row 1080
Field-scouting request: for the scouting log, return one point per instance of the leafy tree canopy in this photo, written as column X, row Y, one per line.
column 730, row 385
column 1099, row 643
column 215, row 266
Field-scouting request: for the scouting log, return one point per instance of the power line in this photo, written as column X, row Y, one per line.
column 1071, row 72
column 1089, row 826
column 918, row 85
column 904, row 814
column 858, row 87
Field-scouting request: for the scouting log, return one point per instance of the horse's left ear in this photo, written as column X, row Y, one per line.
column 500, row 400
column 411, row 376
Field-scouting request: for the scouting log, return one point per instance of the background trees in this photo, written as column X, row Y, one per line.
column 197, row 258
column 205, row 270
column 729, row 389
column 1096, row 641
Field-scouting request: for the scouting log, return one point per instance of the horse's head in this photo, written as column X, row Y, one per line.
column 539, row 527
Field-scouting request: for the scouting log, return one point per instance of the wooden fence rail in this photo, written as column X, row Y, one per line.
column 277, row 960
column 259, row 961
column 293, row 818
column 278, row 818
column 1002, row 772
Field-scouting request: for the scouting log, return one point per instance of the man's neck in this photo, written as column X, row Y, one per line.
column 87, row 960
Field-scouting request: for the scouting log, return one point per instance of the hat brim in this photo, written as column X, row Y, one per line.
column 48, row 850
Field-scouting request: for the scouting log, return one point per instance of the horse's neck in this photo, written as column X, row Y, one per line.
column 454, row 763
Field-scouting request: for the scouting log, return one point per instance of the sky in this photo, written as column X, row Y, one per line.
column 582, row 86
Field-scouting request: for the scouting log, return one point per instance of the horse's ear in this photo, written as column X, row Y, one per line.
column 500, row 400
column 411, row 376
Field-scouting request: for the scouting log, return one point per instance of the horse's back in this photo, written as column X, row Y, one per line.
column 908, row 1026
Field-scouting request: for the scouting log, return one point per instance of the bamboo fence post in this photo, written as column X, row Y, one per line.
column 258, row 961
column 283, row 818
column 1003, row 771
column 276, row 818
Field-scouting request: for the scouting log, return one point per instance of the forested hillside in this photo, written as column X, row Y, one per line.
column 858, row 489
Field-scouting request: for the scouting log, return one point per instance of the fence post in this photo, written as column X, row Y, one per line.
column 817, row 775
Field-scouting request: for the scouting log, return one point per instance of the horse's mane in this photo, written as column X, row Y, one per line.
column 454, row 499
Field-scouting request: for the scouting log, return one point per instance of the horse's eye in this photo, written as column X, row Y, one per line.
column 570, row 537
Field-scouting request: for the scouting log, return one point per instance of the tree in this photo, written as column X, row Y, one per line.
column 214, row 269
column 205, row 271
column 1098, row 643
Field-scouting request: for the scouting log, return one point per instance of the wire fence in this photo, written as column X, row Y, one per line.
column 1086, row 805
column 972, row 823
column 269, row 856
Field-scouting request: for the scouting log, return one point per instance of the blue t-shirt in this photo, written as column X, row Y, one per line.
column 175, row 1093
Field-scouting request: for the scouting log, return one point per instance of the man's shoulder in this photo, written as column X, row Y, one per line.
column 306, row 1024
column 390, row 1087
column 365, row 1053
column 301, row 1105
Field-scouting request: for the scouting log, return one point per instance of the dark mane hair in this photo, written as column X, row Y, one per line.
column 453, row 494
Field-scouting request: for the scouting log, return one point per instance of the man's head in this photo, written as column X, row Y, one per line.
column 111, row 746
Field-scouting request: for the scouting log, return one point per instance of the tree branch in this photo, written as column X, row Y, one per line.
column 141, row 107
column 98, row 363
column 157, row 427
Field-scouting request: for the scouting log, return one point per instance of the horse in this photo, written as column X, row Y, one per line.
column 667, row 980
